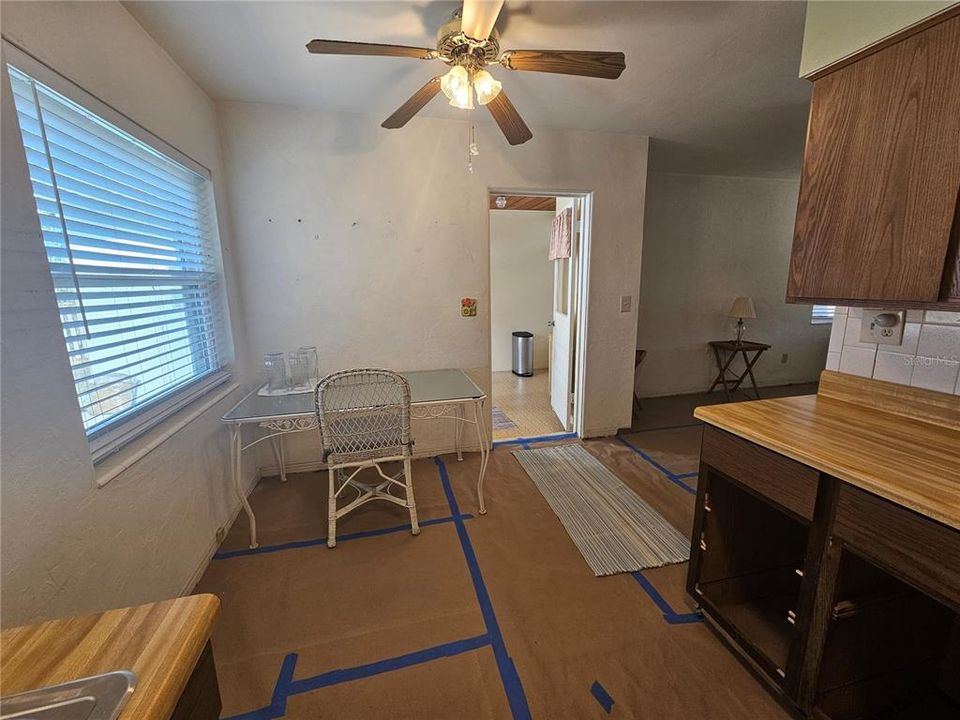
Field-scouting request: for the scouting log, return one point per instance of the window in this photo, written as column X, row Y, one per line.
column 131, row 241
column 821, row 314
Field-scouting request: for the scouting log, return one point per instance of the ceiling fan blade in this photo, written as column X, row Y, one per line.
column 588, row 63
column 412, row 106
column 479, row 17
column 509, row 120
column 344, row 47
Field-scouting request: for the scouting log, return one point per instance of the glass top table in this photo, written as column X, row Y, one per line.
column 427, row 387
column 434, row 395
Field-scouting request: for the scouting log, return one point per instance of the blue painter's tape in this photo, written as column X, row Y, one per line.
column 673, row 618
column 672, row 477
column 684, row 476
column 396, row 663
column 278, row 702
column 227, row 554
column 524, row 441
column 508, row 671
column 602, row 696
column 287, row 686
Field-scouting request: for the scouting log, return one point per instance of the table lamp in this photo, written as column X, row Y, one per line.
column 742, row 308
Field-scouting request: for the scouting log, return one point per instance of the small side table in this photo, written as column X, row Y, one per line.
column 725, row 351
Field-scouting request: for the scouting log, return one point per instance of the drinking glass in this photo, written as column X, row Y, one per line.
column 312, row 370
column 297, row 362
column 276, row 367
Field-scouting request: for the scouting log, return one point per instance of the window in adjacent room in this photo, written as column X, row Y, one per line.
column 821, row 314
column 131, row 241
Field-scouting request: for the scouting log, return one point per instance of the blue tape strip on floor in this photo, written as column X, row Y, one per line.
column 671, row 476
column 673, row 618
column 287, row 686
column 602, row 696
column 524, row 442
column 508, row 671
column 227, row 554
column 396, row 663
column 278, row 702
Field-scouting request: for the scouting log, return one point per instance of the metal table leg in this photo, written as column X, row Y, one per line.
column 458, row 433
column 276, row 442
column 484, row 451
column 236, row 451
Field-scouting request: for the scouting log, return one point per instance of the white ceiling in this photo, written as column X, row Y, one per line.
column 713, row 83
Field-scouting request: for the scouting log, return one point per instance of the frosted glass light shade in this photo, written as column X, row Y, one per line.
column 742, row 308
column 486, row 85
column 463, row 98
column 454, row 82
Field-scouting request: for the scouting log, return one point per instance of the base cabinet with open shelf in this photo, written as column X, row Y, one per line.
column 848, row 605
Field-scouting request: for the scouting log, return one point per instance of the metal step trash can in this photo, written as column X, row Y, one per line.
column 523, row 353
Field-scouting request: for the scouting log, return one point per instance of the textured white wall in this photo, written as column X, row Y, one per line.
column 69, row 547
column 928, row 357
column 521, row 283
column 836, row 28
column 389, row 231
column 707, row 240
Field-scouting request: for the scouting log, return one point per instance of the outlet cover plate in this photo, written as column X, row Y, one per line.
column 884, row 327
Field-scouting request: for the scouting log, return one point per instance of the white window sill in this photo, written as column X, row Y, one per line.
column 116, row 463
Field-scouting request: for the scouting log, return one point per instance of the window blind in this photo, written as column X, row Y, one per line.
column 130, row 240
column 822, row 314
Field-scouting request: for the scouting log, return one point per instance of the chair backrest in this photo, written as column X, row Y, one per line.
column 363, row 414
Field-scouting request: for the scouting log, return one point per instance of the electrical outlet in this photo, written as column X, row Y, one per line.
column 625, row 303
column 884, row 327
column 783, row 358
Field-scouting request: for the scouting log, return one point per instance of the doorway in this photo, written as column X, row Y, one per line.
column 538, row 244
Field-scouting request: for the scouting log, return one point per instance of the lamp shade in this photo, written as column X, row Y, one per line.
column 742, row 308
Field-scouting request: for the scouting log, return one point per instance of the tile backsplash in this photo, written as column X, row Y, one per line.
column 928, row 357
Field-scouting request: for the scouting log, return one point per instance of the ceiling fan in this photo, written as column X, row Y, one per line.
column 469, row 42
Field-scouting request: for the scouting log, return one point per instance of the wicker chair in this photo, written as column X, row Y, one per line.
column 364, row 418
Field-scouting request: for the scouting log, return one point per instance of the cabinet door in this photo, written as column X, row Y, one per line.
column 881, row 174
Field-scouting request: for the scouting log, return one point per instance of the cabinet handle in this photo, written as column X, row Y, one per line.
column 781, row 673
column 703, row 543
column 799, row 572
column 791, row 617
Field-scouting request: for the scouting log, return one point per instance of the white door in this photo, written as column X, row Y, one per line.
column 564, row 322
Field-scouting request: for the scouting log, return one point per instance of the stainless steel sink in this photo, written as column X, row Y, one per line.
column 100, row 697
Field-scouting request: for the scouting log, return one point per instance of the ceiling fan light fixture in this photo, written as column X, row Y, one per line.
column 486, row 86
column 454, row 82
column 463, row 97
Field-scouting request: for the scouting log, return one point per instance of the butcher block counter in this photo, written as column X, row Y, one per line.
column 899, row 443
column 826, row 546
column 165, row 644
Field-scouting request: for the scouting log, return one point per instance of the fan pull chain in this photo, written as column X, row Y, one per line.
column 472, row 148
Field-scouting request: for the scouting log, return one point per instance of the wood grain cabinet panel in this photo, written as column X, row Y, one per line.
column 881, row 175
column 789, row 484
column 922, row 551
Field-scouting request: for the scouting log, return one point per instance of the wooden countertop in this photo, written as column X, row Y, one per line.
column 894, row 442
column 160, row 642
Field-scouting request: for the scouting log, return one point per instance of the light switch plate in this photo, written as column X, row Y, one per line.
column 625, row 302
column 884, row 327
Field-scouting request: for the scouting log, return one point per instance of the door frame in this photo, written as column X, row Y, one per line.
column 583, row 289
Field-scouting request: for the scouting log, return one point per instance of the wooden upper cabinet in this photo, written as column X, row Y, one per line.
column 878, row 216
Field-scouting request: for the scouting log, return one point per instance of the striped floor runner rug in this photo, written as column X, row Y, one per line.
column 614, row 529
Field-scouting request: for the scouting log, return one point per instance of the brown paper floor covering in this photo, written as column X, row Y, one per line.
column 382, row 597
